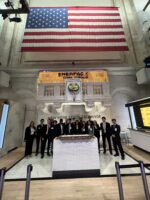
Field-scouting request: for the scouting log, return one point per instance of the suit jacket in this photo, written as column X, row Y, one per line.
column 89, row 131
column 51, row 132
column 77, row 130
column 96, row 130
column 66, row 129
column 115, row 131
column 28, row 135
column 59, row 129
column 41, row 130
column 108, row 129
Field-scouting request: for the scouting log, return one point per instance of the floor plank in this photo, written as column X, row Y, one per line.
column 77, row 189
column 11, row 158
column 138, row 154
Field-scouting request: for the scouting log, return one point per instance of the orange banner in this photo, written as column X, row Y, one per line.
column 59, row 77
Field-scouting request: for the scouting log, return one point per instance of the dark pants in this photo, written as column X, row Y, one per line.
column 50, row 145
column 28, row 147
column 118, row 146
column 104, row 137
column 98, row 138
column 43, row 144
column 37, row 144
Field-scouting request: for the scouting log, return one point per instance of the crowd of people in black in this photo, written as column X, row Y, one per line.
column 45, row 134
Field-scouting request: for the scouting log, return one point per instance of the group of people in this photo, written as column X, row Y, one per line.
column 45, row 134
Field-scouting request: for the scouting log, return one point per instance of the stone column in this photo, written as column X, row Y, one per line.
column 133, row 30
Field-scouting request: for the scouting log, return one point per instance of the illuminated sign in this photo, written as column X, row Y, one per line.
column 59, row 77
column 145, row 111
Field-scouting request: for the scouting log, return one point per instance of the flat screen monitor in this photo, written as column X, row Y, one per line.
column 3, row 120
column 145, row 113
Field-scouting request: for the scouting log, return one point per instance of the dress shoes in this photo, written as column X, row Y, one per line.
column 123, row 158
column 116, row 155
column 42, row 156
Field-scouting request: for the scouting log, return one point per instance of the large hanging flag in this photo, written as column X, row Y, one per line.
column 74, row 29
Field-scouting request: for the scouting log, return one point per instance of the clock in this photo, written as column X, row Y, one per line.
column 73, row 87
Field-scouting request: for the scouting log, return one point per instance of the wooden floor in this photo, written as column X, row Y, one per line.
column 11, row 158
column 77, row 189
column 137, row 153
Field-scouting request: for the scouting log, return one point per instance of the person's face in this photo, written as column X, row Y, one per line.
column 89, row 118
column 95, row 123
column 55, row 123
column 32, row 124
column 42, row 121
column 114, row 121
column 103, row 119
column 48, row 121
column 61, row 121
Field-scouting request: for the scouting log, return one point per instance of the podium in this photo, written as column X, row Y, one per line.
column 75, row 156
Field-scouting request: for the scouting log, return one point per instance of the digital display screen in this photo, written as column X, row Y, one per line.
column 3, row 120
column 145, row 112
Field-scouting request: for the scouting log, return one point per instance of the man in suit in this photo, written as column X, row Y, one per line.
column 60, row 127
column 115, row 131
column 69, row 127
column 39, row 130
column 51, row 135
column 44, row 137
column 106, row 134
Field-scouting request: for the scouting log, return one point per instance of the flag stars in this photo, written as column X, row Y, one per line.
column 48, row 18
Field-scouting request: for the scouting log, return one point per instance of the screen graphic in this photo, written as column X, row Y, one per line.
column 145, row 112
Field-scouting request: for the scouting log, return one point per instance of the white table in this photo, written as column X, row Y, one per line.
column 75, row 156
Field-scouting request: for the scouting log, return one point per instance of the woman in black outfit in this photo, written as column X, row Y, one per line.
column 96, row 129
column 29, row 137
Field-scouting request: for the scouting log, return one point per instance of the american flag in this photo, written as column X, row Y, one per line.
column 74, row 29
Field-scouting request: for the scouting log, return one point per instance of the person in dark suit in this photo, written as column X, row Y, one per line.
column 89, row 128
column 83, row 128
column 50, row 136
column 77, row 128
column 106, row 134
column 44, row 137
column 68, row 127
column 96, row 130
column 89, row 120
column 39, row 130
column 43, row 131
column 115, row 131
column 60, row 127
column 29, row 137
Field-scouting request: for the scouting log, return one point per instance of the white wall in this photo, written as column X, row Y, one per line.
column 123, row 90
column 22, row 97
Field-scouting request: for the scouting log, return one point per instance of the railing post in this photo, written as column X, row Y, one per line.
column 2, row 175
column 145, row 184
column 119, row 181
column 27, row 189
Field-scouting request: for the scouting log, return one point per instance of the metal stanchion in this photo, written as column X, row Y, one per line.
column 145, row 184
column 27, row 189
column 119, row 181
column 142, row 167
column 2, row 175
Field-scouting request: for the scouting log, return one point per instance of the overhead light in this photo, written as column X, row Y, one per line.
column 4, row 16
column 9, row 4
column 23, row 10
column 15, row 19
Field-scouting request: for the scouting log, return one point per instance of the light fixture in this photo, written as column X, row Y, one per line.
column 23, row 10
